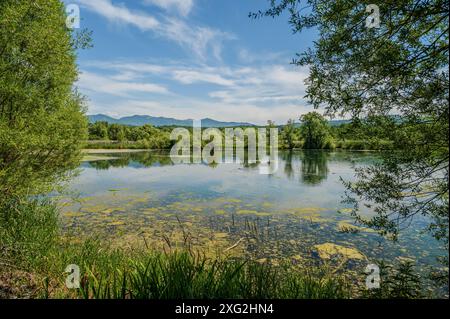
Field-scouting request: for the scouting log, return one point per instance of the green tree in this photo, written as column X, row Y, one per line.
column 98, row 131
column 271, row 123
column 288, row 134
column 314, row 130
column 42, row 120
column 114, row 130
column 400, row 67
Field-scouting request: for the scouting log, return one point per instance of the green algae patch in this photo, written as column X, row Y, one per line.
column 266, row 205
column 220, row 235
column 116, row 223
column 315, row 218
column 151, row 210
column 311, row 214
column 345, row 211
column 329, row 250
column 73, row 214
column 346, row 227
column 307, row 210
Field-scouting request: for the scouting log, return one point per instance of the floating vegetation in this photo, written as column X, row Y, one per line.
column 345, row 226
column 267, row 205
column 216, row 225
column 307, row 210
column 73, row 214
column 345, row 211
column 116, row 223
column 330, row 251
column 312, row 214
column 151, row 210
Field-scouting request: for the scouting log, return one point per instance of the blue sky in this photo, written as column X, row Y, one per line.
column 191, row 59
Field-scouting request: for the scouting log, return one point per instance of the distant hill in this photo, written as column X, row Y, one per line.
column 338, row 122
column 331, row 123
column 139, row 120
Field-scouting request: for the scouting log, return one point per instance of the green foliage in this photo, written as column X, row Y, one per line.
column 41, row 116
column 289, row 136
column 28, row 229
column 315, row 131
column 99, row 131
column 188, row 276
column 112, row 136
column 352, row 136
column 399, row 68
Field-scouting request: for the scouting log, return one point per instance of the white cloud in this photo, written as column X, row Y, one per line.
column 247, row 94
column 197, row 39
column 109, row 85
column 115, row 13
column 191, row 76
column 245, row 56
column 183, row 7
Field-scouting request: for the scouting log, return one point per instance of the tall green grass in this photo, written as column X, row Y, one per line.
column 28, row 230
column 188, row 276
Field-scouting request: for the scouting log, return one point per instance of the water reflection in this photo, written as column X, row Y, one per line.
column 288, row 168
column 281, row 215
column 136, row 160
column 313, row 168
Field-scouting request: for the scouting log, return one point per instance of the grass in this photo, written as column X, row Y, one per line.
column 187, row 276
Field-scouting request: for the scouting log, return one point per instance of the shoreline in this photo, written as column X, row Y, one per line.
column 114, row 150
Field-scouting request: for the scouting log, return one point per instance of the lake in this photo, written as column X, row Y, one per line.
column 296, row 214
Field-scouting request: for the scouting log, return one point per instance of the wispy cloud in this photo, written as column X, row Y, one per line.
column 91, row 82
column 250, row 94
column 183, row 7
column 200, row 40
column 121, row 14
column 195, row 76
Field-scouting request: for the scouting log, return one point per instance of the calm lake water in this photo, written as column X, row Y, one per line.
column 296, row 214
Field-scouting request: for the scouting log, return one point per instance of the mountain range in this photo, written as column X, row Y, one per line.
column 139, row 120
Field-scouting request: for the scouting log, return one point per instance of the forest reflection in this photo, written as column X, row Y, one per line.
column 311, row 167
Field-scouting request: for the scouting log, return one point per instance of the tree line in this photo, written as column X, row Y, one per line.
column 311, row 131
